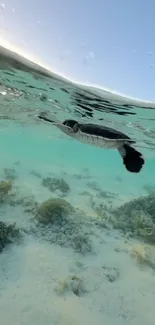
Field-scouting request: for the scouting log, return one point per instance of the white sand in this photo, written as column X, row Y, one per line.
column 29, row 276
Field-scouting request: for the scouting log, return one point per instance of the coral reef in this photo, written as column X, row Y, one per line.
column 27, row 202
column 53, row 210
column 100, row 193
column 58, row 222
column 10, row 174
column 5, row 188
column 35, row 173
column 137, row 218
column 98, row 207
column 111, row 273
column 103, row 213
column 143, row 255
column 71, row 283
column 8, row 234
column 85, row 193
column 82, row 243
column 54, row 184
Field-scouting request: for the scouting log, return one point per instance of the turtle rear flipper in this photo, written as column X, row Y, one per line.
column 132, row 159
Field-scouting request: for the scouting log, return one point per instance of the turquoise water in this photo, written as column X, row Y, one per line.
column 88, row 262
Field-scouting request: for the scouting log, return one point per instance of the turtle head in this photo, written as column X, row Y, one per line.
column 74, row 125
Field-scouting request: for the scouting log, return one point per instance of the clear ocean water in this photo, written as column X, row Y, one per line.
column 77, row 230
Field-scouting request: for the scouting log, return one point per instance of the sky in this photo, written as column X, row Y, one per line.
column 105, row 43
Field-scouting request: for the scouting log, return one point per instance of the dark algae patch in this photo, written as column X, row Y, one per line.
column 5, row 188
column 8, row 234
column 53, row 210
column 54, row 184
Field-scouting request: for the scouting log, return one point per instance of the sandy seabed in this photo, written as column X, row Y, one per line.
column 43, row 282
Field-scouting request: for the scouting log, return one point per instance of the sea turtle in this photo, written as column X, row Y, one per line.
column 102, row 136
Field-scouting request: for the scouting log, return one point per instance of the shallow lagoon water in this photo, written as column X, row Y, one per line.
column 88, row 267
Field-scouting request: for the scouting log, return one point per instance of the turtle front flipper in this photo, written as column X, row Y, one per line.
column 132, row 159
